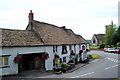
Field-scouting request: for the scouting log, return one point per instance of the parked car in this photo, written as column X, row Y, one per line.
column 111, row 50
column 105, row 49
column 117, row 50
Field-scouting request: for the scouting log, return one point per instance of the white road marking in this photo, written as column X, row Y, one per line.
column 111, row 59
column 111, row 67
column 83, row 75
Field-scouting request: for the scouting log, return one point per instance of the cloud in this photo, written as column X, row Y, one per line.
column 85, row 17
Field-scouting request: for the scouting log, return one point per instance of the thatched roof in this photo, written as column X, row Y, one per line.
column 82, row 40
column 19, row 38
column 99, row 37
column 53, row 35
column 40, row 34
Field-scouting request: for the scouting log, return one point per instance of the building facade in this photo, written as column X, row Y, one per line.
column 34, row 48
column 97, row 39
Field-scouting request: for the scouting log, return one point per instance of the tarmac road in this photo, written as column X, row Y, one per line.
column 106, row 67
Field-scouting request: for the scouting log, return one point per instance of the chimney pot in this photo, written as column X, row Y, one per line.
column 63, row 27
column 31, row 16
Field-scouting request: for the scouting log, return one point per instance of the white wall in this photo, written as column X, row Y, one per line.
column 13, row 51
column 84, row 54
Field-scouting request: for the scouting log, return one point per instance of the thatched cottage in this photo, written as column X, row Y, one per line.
column 97, row 39
column 24, row 49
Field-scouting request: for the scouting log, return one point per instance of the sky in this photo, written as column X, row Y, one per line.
column 84, row 17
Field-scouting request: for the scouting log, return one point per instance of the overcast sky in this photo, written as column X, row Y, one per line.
column 84, row 17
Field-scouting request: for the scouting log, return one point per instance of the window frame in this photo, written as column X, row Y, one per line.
column 70, row 47
column 55, row 49
column 94, row 41
column 3, row 61
column 83, row 47
column 64, row 48
column 75, row 48
column 64, row 59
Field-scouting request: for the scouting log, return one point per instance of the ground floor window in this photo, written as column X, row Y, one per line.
column 64, row 49
column 4, row 61
column 64, row 59
column 83, row 47
column 54, row 49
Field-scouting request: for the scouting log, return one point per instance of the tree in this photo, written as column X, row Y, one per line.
column 115, row 38
column 109, row 34
column 118, row 44
column 118, row 31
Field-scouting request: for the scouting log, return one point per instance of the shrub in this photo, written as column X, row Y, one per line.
column 118, row 44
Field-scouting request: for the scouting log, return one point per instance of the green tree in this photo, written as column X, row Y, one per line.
column 118, row 44
column 115, row 38
column 109, row 35
column 118, row 31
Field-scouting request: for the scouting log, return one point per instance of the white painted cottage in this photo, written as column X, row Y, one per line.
column 31, row 44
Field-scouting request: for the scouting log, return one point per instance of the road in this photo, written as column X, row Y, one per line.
column 106, row 67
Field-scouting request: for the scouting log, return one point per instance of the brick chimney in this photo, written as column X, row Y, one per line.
column 31, row 16
column 64, row 27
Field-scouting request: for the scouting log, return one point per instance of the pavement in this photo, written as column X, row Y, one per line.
column 41, row 73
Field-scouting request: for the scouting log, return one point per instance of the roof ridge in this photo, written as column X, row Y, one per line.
column 11, row 29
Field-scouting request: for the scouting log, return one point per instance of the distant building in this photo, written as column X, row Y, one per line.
column 89, row 41
column 97, row 39
column 107, row 26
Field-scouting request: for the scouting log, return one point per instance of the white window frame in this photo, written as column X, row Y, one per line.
column 3, row 61
column 55, row 49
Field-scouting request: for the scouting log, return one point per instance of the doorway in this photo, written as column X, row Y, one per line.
column 31, row 62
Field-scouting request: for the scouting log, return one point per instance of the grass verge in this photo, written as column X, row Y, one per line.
column 95, row 56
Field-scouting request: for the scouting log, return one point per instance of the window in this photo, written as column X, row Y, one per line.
column 70, row 47
column 83, row 47
column 80, row 47
column 4, row 61
column 54, row 49
column 94, row 40
column 64, row 59
column 75, row 48
column 1, row 61
column 64, row 49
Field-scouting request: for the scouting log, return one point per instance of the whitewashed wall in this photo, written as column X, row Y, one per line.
column 13, row 51
column 84, row 55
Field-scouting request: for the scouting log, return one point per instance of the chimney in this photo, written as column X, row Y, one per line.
column 64, row 27
column 31, row 16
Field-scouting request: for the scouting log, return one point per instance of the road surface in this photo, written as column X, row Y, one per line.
column 106, row 67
